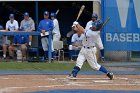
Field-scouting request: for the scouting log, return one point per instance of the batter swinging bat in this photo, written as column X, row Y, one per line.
column 57, row 12
column 80, row 12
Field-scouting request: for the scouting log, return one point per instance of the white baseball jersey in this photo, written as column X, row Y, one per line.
column 88, row 51
column 11, row 26
column 99, row 41
column 76, row 39
column 88, row 25
column 56, row 30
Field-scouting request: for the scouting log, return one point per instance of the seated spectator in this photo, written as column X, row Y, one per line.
column 11, row 25
column 76, row 44
column 20, row 43
column 27, row 24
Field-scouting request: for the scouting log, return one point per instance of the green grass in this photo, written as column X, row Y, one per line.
column 39, row 66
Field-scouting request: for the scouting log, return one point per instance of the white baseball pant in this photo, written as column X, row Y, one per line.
column 56, row 37
column 90, row 56
column 44, row 42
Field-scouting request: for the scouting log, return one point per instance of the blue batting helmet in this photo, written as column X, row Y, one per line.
column 53, row 15
column 94, row 15
column 99, row 22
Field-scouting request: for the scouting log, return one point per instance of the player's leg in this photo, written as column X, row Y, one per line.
column 53, row 52
column 53, row 37
column 4, row 48
column 102, row 54
column 24, row 51
column 70, row 52
column 30, row 40
column 56, row 37
column 79, row 63
column 5, row 45
column 11, row 51
column 100, row 45
column 44, row 42
column 92, row 60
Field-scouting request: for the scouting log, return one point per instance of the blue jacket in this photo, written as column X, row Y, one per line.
column 21, row 39
column 46, row 25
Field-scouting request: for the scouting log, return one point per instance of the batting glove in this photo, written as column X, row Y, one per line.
column 75, row 23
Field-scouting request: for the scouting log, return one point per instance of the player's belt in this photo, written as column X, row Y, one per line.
column 89, row 47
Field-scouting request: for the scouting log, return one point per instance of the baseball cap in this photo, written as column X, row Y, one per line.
column 46, row 13
column 11, row 16
column 26, row 14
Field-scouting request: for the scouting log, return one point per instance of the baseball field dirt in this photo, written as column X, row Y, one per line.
column 31, row 83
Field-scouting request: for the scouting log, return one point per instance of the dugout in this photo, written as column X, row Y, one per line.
column 67, row 14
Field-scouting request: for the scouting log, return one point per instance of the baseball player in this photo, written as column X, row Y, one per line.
column 11, row 25
column 76, row 44
column 99, row 43
column 88, row 52
column 46, row 25
column 27, row 24
column 56, row 30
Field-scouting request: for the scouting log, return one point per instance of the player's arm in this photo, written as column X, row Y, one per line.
column 32, row 25
column 40, row 26
column 80, row 28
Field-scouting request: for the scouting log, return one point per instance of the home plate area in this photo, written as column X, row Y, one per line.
column 55, row 83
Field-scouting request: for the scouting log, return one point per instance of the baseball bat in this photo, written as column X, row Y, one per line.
column 105, row 23
column 80, row 11
column 57, row 12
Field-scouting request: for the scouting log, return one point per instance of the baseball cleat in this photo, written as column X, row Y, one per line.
column 70, row 76
column 103, row 59
column 110, row 75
